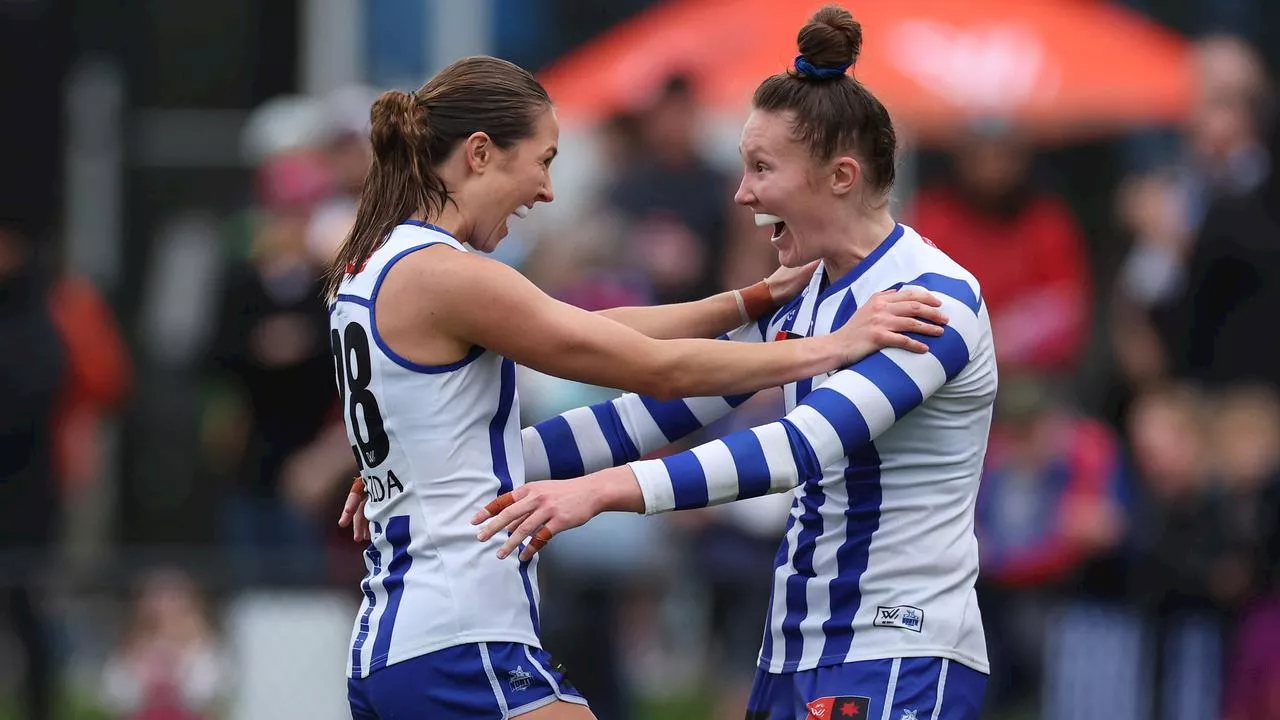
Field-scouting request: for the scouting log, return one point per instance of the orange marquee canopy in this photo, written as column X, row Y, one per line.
column 1056, row 66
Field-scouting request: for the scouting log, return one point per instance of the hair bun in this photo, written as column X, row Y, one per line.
column 396, row 117
column 831, row 39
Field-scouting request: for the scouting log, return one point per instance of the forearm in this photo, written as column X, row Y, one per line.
column 706, row 318
column 696, row 368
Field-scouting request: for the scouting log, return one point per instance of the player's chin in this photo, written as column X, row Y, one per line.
column 492, row 239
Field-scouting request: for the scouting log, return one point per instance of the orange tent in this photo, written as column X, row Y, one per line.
column 1056, row 66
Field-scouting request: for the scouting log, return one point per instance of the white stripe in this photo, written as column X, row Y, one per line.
column 536, row 464
column 720, row 471
column 815, row 427
column 777, row 454
column 555, row 688
column 893, row 688
column 818, row 589
column 870, row 400
column 589, row 438
column 925, row 370
column 493, row 679
column 655, row 485
column 639, row 424
column 708, row 409
column 942, row 687
column 778, row 612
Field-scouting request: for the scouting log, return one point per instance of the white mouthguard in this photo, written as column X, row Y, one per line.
column 763, row 219
column 521, row 212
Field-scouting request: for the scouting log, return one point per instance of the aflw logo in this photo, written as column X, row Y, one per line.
column 906, row 617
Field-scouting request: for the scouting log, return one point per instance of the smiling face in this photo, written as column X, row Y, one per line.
column 785, row 186
column 516, row 178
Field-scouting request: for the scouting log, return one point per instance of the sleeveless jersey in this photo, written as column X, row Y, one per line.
column 434, row 443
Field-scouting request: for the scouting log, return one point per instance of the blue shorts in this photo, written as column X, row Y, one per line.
column 903, row 689
column 477, row 680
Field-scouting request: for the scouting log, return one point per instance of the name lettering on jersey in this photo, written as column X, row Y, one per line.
column 380, row 489
column 906, row 617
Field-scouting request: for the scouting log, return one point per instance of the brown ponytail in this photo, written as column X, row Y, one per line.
column 413, row 133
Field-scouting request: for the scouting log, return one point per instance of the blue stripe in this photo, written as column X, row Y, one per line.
column 375, row 569
column 780, row 560
column 475, row 351
column 401, row 560
column 674, row 418
column 848, row 306
column 797, row 602
column 615, row 433
column 361, row 301
column 498, row 450
column 838, row 410
column 887, row 375
column 564, row 460
column 748, row 458
column 862, row 519
column 688, row 480
column 498, row 426
column 949, row 348
column 949, row 286
column 528, row 591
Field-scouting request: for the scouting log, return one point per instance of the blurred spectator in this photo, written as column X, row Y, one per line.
column 346, row 148
column 169, row 665
column 676, row 204
column 1050, row 502
column 1176, row 246
column 32, row 382
column 281, row 426
column 1021, row 242
column 1233, row 288
column 1186, row 578
column 99, row 376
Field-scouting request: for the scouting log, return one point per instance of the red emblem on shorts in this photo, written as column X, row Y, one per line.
column 839, row 708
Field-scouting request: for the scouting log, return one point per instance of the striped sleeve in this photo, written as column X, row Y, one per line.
column 587, row 439
column 852, row 408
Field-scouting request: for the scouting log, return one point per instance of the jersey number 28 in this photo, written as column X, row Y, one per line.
column 354, row 368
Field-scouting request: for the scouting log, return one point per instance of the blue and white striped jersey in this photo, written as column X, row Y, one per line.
column 434, row 444
column 883, row 460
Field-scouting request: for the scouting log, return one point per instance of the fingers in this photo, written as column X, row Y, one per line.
column 913, row 294
column 898, row 340
column 349, row 509
column 531, row 525
column 536, row 543
column 360, row 526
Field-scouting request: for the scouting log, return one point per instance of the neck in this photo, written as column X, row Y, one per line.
column 850, row 239
column 450, row 220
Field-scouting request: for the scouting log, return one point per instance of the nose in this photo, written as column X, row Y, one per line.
column 744, row 196
column 546, row 194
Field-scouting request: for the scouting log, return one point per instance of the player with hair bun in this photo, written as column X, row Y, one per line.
column 873, row 611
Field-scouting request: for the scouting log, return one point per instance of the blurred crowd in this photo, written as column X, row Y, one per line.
column 1129, row 517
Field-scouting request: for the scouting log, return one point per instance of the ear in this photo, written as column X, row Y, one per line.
column 845, row 173
column 478, row 151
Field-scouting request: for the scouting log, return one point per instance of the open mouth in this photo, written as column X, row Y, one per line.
column 779, row 225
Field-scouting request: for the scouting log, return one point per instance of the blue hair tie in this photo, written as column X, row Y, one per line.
column 807, row 68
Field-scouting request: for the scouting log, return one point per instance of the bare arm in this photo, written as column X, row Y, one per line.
column 486, row 303
column 718, row 314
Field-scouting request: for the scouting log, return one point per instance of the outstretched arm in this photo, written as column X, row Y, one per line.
column 854, row 407
column 718, row 314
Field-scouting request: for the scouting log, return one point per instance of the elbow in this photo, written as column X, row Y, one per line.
column 664, row 378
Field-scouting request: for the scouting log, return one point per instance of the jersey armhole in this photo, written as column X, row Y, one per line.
column 475, row 351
